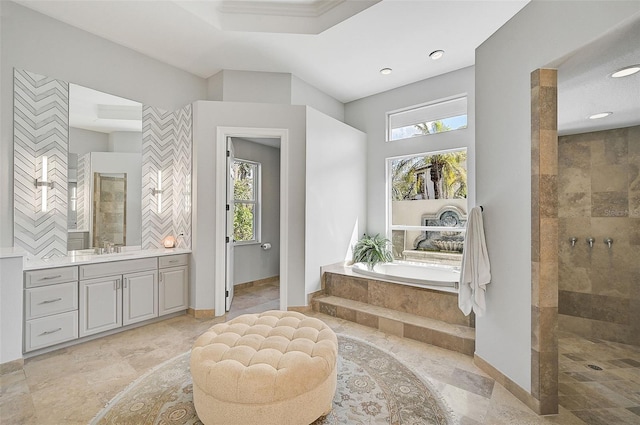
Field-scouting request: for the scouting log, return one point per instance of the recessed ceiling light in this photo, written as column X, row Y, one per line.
column 600, row 115
column 436, row 54
column 626, row 71
column 385, row 71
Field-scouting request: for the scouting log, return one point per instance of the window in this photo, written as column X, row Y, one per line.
column 427, row 206
column 437, row 117
column 246, row 194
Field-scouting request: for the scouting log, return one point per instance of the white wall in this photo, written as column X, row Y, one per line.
column 10, row 306
column 36, row 43
column 251, row 262
column 368, row 115
column 116, row 162
column 540, row 33
column 207, row 117
column 335, row 210
column 125, row 141
column 303, row 93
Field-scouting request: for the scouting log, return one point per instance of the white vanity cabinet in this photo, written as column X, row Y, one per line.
column 174, row 283
column 100, row 305
column 70, row 302
column 50, row 307
column 119, row 293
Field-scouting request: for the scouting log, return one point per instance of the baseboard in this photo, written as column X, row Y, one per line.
column 202, row 314
column 312, row 295
column 265, row 281
column 300, row 309
column 12, row 366
column 515, row 389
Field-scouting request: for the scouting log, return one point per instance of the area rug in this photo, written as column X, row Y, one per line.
column 373, row 388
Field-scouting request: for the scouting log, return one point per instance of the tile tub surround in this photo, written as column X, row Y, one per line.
column 599, row 197
column 423, row 302
column 93, row 372
column 422, row 314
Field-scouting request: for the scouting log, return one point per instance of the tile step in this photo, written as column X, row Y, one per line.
column 435, row 332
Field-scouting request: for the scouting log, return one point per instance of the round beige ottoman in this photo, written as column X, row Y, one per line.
column 275, row 368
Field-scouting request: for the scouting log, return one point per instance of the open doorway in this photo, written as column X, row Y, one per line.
column 259, row 255
column 253, row 223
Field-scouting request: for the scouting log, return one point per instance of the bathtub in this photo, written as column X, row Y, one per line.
column 443, row 278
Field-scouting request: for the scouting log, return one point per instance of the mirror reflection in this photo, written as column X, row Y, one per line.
column 110, row 209
column 105, row 169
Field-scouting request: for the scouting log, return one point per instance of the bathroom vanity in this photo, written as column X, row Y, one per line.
column 69, row 299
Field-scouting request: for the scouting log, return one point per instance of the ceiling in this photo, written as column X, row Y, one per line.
column 585, row 85
column 97, row 111
column 338, row 46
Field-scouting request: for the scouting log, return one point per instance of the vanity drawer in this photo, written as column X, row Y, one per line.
column 50, row 330
column 112, row 268
column 173, row 260
column 52, row 299
column 50, row 276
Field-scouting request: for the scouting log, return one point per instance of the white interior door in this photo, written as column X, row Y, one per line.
column 229, row 236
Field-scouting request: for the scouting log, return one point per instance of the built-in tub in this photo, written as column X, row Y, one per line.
column 439, row 277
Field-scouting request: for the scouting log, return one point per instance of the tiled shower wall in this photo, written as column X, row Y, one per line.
column 599, row 197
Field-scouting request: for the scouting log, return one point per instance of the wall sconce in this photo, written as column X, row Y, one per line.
column 44, row 183
column 157, row 192
column 74, row 198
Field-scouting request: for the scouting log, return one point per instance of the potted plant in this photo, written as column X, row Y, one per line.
column 371, row 250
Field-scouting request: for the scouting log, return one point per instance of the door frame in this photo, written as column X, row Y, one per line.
column 220, row 207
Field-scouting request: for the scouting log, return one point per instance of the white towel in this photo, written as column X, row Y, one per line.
column 475, row 273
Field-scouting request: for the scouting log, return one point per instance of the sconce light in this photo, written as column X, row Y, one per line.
column 74, row 198
column 157, row 192
column 44, row 183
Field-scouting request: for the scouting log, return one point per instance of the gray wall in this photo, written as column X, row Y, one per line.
column 83, row 141
column 251, row 262
column 270, row 87
column 368, row 115
column 34, row 42
column 540, row 33
column 207, row 116
column 303, row 93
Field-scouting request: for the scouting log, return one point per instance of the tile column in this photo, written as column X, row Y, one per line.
column 544, row 240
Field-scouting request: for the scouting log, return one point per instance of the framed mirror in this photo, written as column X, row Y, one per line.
column 105, row 169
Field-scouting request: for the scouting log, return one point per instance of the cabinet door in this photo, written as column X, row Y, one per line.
column 140, row 296
column 100, row 305
column 174, row 294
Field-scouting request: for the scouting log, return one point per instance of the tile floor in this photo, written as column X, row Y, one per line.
column 70, row 386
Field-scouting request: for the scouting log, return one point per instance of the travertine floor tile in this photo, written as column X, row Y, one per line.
column 71, row 385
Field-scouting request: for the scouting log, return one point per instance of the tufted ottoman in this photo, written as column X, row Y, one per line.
column 276, row 367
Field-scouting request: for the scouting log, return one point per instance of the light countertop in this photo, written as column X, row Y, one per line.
column 74, row 260
column 12, row 252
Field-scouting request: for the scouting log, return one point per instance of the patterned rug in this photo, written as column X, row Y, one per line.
column 373, row 388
